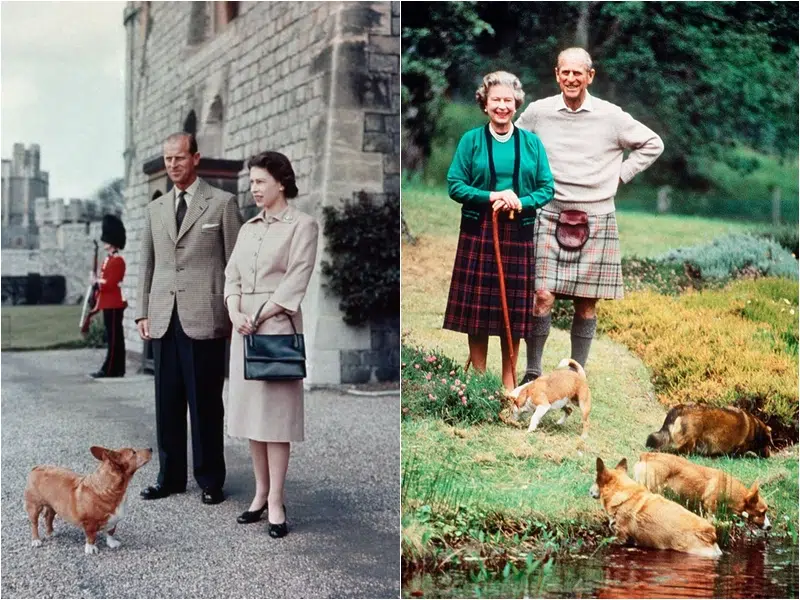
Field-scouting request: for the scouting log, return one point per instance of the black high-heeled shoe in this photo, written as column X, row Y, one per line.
column 251, row 516
column 279, row 530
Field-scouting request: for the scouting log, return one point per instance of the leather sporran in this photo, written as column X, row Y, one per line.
column 572, row 229
column 274, row 357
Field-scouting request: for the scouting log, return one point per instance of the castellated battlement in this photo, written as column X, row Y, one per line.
column 56, row 211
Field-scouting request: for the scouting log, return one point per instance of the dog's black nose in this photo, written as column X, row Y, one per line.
column 150, row 449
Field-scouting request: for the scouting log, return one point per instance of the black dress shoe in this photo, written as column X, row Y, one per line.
column 97, row 375
column 154, row 492
column 212, row 496
column 251, row 516
column 279, row 530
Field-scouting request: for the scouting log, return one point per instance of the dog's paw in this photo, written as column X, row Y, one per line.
column 36, row 543
column 113, row 542
column 90, row 549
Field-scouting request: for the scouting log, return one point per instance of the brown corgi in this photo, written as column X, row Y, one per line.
column 657, row 471
column 94, row 502
column 650, row 520
column 711, row 431
column 553, row 391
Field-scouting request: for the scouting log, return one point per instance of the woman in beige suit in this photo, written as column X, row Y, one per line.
column 271, row 265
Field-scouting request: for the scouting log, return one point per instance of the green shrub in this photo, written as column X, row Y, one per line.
column 457, row 118
column 364, row 267
column 785, row 235
column 434, row 385
column 733, row 256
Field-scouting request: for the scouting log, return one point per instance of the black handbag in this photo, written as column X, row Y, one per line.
column 280, row 357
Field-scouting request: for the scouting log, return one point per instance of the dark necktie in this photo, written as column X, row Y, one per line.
column 181, row 211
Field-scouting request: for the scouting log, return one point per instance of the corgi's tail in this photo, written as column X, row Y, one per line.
column 574, row 364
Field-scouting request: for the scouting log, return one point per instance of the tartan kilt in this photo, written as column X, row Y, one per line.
column 473, row 305
column 594, row 271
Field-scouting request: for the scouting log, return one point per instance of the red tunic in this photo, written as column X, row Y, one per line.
column 110, row 294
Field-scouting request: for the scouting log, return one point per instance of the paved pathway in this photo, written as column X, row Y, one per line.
column 343, row 499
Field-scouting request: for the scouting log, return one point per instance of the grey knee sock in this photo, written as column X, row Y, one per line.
column 581, row 337
column 535, row 344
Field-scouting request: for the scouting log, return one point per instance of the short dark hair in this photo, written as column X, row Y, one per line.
column 179, row 135
column 279, row 166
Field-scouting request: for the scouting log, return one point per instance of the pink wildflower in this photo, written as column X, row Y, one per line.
column 444, row 380
column 416, row 366
column 430, row 359
column 428, row 376
column 464, row 401
column 431, row 396
column 452, row 372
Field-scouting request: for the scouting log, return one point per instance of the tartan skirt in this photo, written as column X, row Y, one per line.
column 594, row 271
column 473, row 305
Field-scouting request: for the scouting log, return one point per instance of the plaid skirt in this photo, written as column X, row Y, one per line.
column 474, row 306
column 594, row 271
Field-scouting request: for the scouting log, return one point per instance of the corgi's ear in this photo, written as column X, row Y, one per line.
column 622, row 465
column 600, row 466
column 753, row 491
column 98, row 452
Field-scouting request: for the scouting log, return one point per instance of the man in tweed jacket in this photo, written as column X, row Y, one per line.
column 188, row 237
column 585, row 138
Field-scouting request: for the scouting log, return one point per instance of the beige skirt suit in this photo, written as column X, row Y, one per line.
column 272, row 260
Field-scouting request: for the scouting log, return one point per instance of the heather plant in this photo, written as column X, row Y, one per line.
column 709, row 347
column 433, row 385
column 735, row 255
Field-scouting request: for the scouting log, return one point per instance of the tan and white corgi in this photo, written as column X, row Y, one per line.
column 657, row 470
column 552, row 391
column 94, row 502
column 648, row 519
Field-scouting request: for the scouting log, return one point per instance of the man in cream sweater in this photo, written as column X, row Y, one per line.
column 584, row 138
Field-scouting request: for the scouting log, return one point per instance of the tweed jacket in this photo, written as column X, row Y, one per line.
column 187, row 267
column 274, row 256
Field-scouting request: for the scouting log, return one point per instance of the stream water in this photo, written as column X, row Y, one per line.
column 761, row 568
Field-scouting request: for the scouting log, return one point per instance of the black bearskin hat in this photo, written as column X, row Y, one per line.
column 113, row 231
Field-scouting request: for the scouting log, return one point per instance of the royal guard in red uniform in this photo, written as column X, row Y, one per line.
column 110, row 299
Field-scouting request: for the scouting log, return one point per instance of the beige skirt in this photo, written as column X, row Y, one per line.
column 266, row 411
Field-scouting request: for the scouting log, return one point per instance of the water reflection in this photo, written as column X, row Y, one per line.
column 755, row 569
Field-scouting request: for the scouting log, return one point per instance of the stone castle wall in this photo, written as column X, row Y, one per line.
column 318, row 81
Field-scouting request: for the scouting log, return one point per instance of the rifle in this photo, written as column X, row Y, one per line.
column 90, row 299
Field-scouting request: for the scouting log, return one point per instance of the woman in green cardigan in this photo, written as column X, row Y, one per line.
column 496, row 167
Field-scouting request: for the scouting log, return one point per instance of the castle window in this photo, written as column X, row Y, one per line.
column 190, row 124
column 207, row 19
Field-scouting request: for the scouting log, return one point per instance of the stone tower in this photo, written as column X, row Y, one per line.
column 22, row 183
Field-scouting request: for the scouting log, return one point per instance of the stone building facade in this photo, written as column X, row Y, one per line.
column 318, row 81
column 22, row 183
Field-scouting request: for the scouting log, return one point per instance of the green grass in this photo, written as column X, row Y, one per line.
column 46, row 327
column 430, row 212
column 489, row 493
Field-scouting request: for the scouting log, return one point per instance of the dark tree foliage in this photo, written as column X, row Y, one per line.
column 363, row 243
column 704, row 75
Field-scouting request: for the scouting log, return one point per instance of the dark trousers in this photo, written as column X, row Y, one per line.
column 114, row 364
column 189, row 371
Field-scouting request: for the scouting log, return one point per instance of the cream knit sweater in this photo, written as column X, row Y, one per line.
column 585, row 150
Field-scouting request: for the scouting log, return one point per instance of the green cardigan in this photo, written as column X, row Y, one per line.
column 469, row 177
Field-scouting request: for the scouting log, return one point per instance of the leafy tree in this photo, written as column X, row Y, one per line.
column 436, row 38
column 110, row 197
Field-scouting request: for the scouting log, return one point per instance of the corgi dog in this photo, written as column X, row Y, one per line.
column 648, row 519
column 552, row 391
column 711, row 431
column 94, row 502
column 657, row 471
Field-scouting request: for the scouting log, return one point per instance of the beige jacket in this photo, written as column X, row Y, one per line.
column 187, row 267
column 274, row 255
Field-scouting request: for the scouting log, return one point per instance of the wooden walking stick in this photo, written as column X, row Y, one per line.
column 503, row 300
